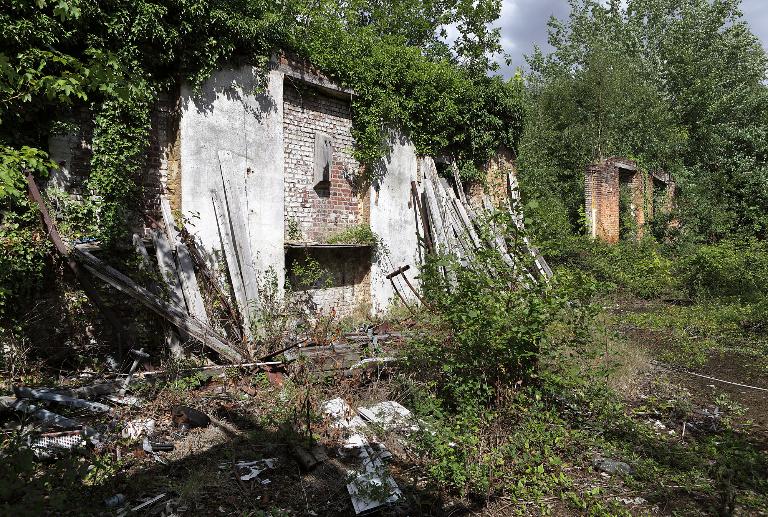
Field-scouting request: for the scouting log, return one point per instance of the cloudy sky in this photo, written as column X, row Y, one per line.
column 524, row 24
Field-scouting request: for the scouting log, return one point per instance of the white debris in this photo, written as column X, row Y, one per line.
column 371, row 486
column 127, row 400
column 632, row 500
column 139, row 427
column 372, row 360
column 390, row 415
column 247, row 470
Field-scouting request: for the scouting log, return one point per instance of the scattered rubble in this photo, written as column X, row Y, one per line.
column 371, row 486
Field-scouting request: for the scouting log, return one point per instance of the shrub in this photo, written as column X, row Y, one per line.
column 488, row 325
column 360, row 234
column 639, row 268
column 726, row 269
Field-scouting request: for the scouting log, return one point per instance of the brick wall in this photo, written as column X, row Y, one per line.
column 602, row 192
column 495, row 182
column 345, row 285
column 317, row 211
column 161, row 174
column 73, row 152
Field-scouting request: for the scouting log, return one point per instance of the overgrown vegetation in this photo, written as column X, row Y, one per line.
column 512, row 380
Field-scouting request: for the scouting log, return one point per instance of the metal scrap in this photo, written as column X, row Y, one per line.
column 43, row 394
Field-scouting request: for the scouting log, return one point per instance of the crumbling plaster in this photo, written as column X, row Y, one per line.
column 393, row 218
column 232, row 130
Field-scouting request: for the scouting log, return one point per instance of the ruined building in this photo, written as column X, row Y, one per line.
column 616, row 185
column 260, row 169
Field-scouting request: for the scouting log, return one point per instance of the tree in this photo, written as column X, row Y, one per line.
column 675, row 85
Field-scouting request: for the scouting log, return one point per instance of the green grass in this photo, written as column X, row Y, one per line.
column 691, row 333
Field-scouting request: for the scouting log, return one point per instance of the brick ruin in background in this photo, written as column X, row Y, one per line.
column 603, row 185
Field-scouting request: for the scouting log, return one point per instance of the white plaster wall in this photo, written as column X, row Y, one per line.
column 60, row 151
column 234, row 126
column 394, row 218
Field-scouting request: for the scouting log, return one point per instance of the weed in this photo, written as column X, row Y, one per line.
column 360, row 234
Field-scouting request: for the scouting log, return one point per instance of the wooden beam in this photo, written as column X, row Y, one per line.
column 233, row 265
column 172, row 338
column 167, row 264
column 422, row 216
column 184, row 265
column 118, row 333
column 196, row 329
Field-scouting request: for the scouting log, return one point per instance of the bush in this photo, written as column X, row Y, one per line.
column 487, row 327
column 726, row 269
column 638, row 268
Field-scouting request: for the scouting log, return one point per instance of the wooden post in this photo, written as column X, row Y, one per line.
column 118, row 332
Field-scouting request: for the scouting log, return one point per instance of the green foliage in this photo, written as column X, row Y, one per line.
column 307, row 272
column 639, row 268
column 676, row 86
column 728, row 269
column 120, row 141
column 359, row 234
column 485, row 313
column 23, row 247
column 13, row 166
column 76, row 218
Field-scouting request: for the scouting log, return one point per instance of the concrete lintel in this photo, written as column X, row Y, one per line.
column 315, row 79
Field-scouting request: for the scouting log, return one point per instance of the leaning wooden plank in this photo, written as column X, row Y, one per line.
column 189, row 284
column 421, row 215
column 198, row 330
column 167, row 264
column 467, row 223
column 214, row 284
column 184, row 265
column 53, row 233
column 235, row 203
column 457, row 179
column 517, row 216
column 454, row 228
column 436, row 221
column 172, row 338
column 23, row 392
column 233, row 265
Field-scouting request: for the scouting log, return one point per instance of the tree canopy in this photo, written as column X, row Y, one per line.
column 679, row 86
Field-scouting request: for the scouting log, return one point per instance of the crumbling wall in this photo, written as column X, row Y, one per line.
column 343, row 287
column 602, row 192
column 494, row 184
column 72, row 150
column 317, row 211
column 394, row 219
column 232, row 131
